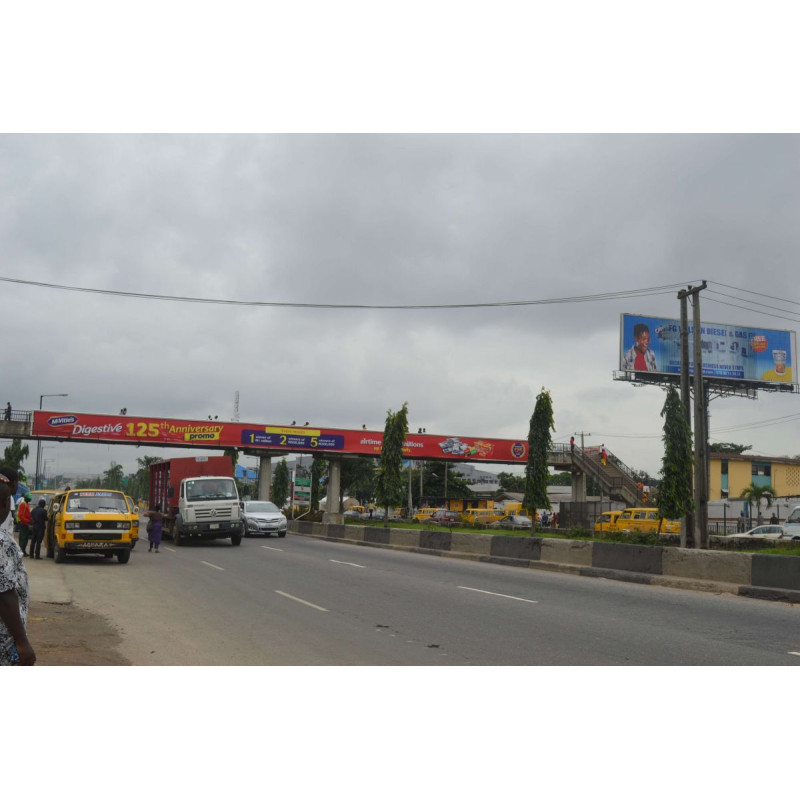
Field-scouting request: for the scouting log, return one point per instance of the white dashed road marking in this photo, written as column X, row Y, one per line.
column 497, row 594
column 276, row 549
column 298, row 600
column 347, row 563
column 214, row 566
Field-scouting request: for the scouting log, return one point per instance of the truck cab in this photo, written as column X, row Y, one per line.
column 207, row 508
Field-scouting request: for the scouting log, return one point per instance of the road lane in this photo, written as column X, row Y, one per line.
column 390, row 607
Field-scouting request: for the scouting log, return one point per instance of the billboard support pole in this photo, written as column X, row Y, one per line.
column 687, row 529
column 700, row 434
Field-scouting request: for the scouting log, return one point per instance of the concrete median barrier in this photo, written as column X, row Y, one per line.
column 567, row 551
column 769, row 576
column 627, row 557
column 707, row 565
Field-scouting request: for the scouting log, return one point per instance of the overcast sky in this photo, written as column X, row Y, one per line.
column 387, row 220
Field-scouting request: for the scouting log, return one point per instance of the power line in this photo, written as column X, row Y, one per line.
column 647, row 292
column 747, row 308
column 760, row 294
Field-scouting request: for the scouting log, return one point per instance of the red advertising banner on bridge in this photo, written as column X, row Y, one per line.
column 110, row 428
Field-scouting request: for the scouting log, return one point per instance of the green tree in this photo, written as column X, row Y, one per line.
column 756, row 494
column 540, row 441
column 139, row 483
column 280, row 484
column 390, row 484
column 358, row 479
column 319, row 471
column 511, row 483
column 15, row 454
column 112, row 477
column 729, row 447
column 560, row 479
column 433, row 482
column 675, row 488
column 233, row 453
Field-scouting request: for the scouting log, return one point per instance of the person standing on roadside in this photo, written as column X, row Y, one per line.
column 7, row 413
column 154, row 526
column 24, row 520
column 38, row 522
column 604, row 456
column 15, row 649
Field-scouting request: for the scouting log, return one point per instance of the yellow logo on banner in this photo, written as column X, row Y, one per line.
column 293, row 431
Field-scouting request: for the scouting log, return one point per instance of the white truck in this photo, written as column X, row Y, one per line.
column 199, row 496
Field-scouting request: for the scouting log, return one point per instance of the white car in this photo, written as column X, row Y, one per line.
column 261, row 516
column 767, row 532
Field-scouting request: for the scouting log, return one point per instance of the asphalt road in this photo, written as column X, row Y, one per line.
column 302, row 601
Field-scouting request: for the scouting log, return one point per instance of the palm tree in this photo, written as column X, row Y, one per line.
column 755, row 494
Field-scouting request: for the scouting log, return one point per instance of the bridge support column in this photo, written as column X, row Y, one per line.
column 333, row 511
column 264, row 477
column 578, row 487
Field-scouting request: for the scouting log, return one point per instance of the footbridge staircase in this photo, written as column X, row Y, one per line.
column 616, row 478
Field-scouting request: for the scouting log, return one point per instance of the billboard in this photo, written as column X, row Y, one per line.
column 70, row 426
column 730, row 352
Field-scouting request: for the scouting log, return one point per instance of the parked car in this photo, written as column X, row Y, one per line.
column 353, row 513
column 262, row 516
column 607, row 521
column 445, row 517
column 767, row 532
column 513, row 522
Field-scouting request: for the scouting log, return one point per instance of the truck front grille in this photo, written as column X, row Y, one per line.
column 213, row 514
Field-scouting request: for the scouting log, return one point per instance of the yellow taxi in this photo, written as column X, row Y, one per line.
column 84, row 521
column 607, row 521
column 645, row 520
column 481, row 516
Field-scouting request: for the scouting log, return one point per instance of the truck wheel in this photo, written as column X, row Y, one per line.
column 60, row 554
column 236, row 539
column 124, row 556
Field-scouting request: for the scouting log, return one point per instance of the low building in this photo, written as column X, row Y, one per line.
column 730, row 474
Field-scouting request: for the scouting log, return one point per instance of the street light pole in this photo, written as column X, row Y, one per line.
column 39, row 441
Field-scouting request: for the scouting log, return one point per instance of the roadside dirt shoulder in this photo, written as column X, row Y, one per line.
column 64, row 635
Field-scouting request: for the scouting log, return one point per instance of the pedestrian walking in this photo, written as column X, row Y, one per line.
column 572, row 445
column 603, row 456
column 741, row 525
column 24, row 520
column 15, row 649
column 7, row 414
column 773, row 520
column 38, row 522
column 155, row 527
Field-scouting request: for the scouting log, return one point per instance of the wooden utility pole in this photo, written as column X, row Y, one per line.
column 687, row 529
column 700, row 430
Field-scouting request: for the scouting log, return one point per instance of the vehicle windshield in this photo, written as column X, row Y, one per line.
column 794, row 516
column 256, row 507
column 97, row 502
column 210, row 489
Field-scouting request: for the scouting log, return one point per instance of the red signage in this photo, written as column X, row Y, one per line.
column 273, row 438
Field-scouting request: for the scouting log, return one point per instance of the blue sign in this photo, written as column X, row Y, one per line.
column 732, row 352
